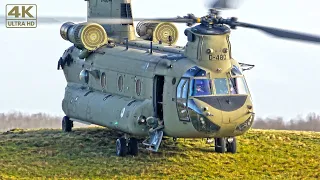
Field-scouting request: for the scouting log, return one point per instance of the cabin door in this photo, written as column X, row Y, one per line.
column 158, row 96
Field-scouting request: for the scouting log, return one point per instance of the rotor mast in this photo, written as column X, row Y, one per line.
column 113, row 9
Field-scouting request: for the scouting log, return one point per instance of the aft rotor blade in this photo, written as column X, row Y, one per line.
column 44, row 20
column 126, row 21
column 52, row 20
column 286, row 34
column 62, row 19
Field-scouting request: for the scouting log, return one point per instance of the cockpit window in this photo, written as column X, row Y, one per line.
column 238, row 86
column 182, row 99
column 221, row 86
column 235, row 71
column 195, row 72
column 201, row 87
column 182, row 90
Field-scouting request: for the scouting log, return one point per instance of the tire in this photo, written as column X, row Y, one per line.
column 133, row 147
column 220, row 145
column 67, row 124
column 121, row 147
column 232, row 147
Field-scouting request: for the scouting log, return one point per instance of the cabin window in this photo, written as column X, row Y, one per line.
column 84, row 76
column 138, row 87
column 182, row 98
column 201, row 87
column 103, row 80
column 221, row 86
column 120, row 83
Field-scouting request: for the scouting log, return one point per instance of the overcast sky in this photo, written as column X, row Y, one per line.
column 285, row 81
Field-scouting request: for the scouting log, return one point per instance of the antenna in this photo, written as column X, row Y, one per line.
column 170, row 40
column 127, row 43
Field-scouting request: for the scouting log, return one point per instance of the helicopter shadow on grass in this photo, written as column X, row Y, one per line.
column 168, row 147
column 200, row 146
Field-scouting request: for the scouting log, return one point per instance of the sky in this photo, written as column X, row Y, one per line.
column 283, row 83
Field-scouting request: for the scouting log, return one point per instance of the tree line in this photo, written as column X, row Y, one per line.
column 13, row 120
column 311, row 122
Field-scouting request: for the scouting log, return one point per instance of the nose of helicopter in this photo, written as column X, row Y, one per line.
column 224, row 103
column 229, row 115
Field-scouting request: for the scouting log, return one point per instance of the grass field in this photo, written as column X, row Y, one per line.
column 90, row 154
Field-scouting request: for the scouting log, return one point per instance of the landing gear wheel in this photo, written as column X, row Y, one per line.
column 133, row 147
column 232, row 145
column 220, row 145
column 121, row 147
column 67, row 124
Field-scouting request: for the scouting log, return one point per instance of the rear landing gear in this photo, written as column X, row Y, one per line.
column 67, row 124
column 133, row 147
column 123, row 148
column 223, row 145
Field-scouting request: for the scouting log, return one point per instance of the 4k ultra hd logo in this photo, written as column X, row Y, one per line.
column 21, row 15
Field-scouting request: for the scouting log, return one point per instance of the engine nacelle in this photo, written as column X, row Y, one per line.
column 164, row 32
column 84, row 35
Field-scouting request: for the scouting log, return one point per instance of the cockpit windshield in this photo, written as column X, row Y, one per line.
column 238, row 86
column 221, row 86
column 235, row 85
column 197, row 82
column 201, row 87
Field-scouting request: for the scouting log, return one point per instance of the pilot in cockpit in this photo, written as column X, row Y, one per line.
column 202, row 87
column 199, row 89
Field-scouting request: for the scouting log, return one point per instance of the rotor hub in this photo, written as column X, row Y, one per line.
column 212, row 20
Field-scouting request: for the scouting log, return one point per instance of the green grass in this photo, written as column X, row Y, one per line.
column 90, row 154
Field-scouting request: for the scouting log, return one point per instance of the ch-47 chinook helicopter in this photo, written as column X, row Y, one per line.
column 148, row 87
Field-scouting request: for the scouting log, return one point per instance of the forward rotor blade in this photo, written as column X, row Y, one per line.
column 286, row 34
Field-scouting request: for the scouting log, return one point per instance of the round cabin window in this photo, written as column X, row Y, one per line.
column 138, row 87
column 120, row 83
column 103, row 80
column 84, row 76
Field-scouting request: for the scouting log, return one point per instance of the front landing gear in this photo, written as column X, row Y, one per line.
column 223, row 145
column 67, row 124
column 220, row 145
column 123, row 147
column 231, row 145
